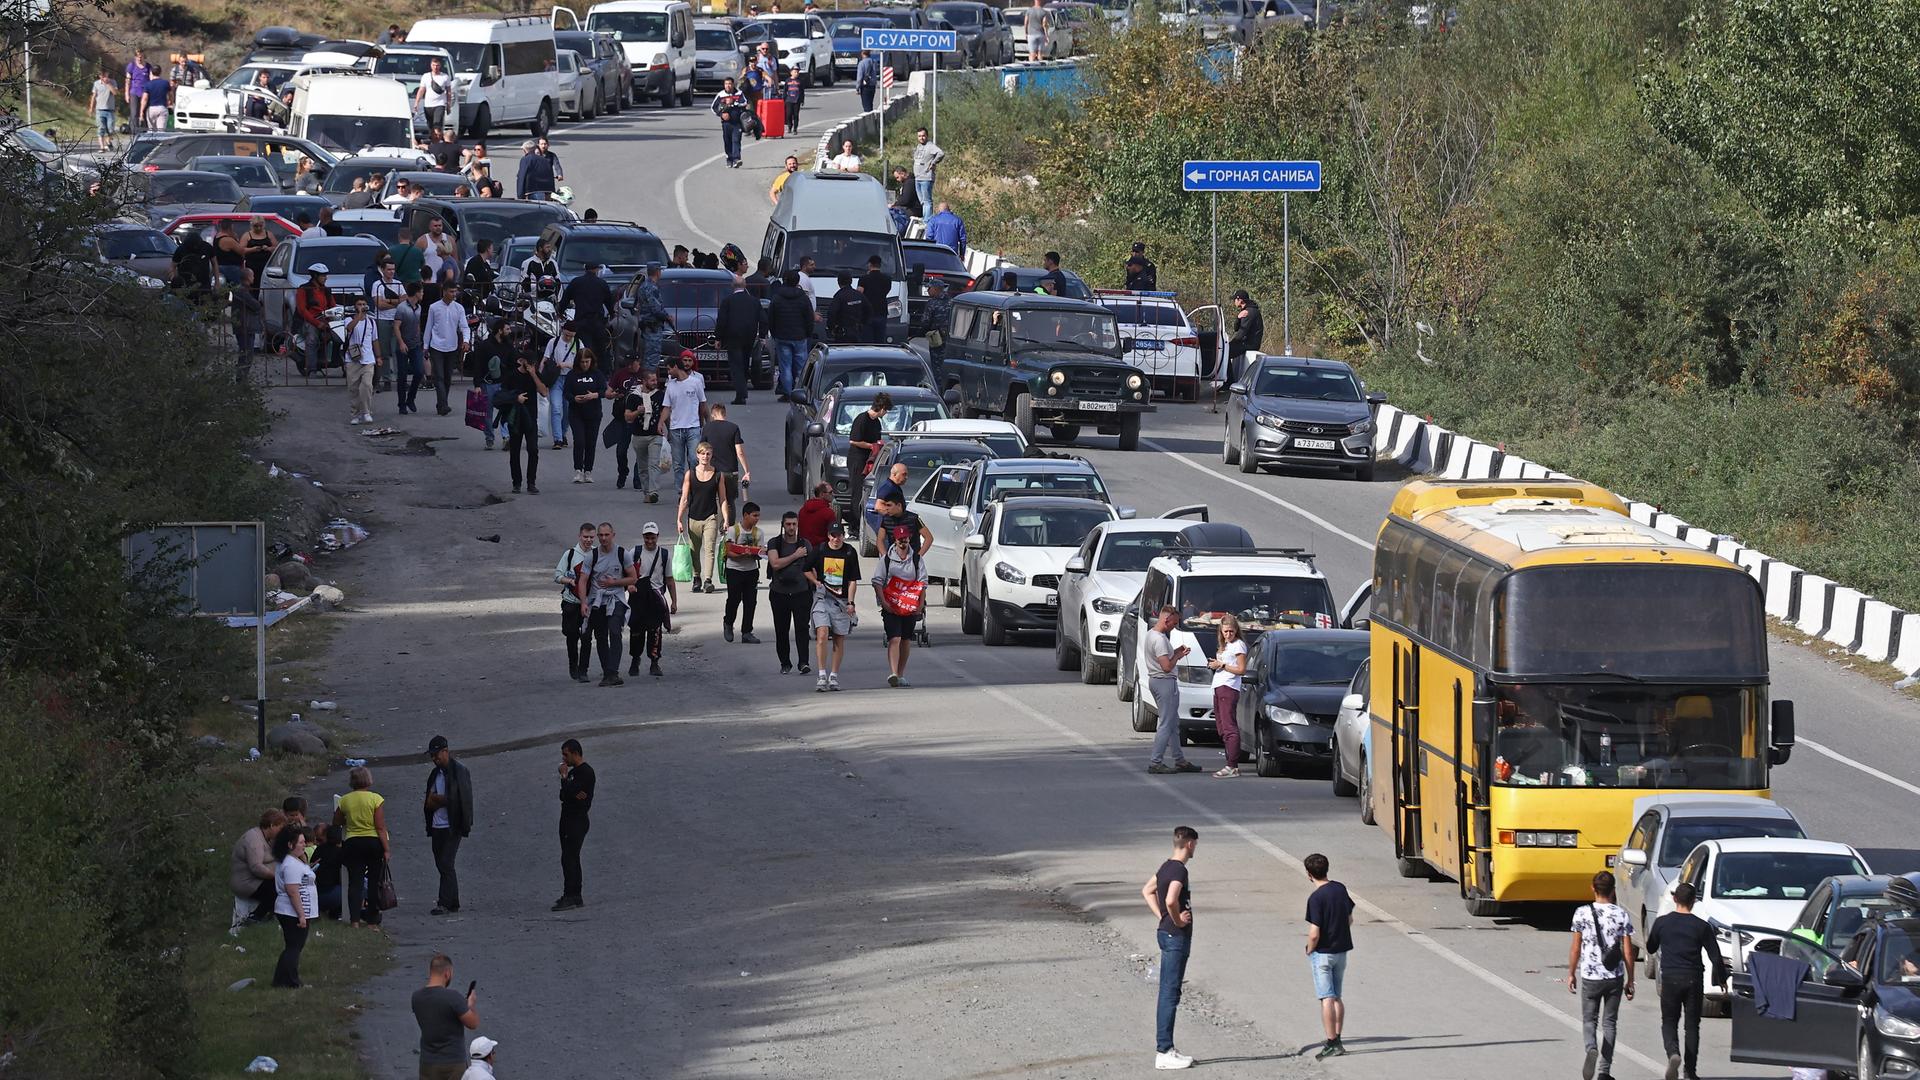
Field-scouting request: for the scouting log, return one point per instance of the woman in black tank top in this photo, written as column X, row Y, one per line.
column 700, row 510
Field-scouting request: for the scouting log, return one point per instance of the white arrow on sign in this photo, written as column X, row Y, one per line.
column 1196, row 176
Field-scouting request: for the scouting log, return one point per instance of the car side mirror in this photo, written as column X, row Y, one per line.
column 276, row 272
column 1781, row 736
column 976, row 542
column 1633, row 857
column 1844, row 977
column 1076, row 565
column 1127, row 513
column 957, row 514
column 493, row 75
column 628, row 302
column 1376, row 398
column 816, row 429
column 1353, row 703
column 1237, row 388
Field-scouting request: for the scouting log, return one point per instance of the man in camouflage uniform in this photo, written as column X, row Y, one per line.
column 653, row 318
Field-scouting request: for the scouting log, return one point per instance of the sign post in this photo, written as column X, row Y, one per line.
column 218, row 568
column 882, row 40
column 1285, row 177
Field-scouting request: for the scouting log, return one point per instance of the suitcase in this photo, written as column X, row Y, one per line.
column 773, row 117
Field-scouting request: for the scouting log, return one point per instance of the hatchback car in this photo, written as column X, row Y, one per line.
column 1010, row 579
column 137, row 247
column 1101, row 578
column 965, row 491
column 922, row 455
column 718, row 55
column 1292, row 690
column 1300, row 411
column 1666, row 829
column 255, row 175
column 165, row 196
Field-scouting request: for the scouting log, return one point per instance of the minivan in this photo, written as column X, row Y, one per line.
column 657, row 36
column 507, row 66
column 841, row 220
column 352, row 114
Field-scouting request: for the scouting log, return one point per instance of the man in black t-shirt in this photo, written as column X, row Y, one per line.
column 789, row 593
column 834, row 571
column 863, row 441
column 729, row 456
column 1170, row 899
column 1329, row 940
column 576, row 799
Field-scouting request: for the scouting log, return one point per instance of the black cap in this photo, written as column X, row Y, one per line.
column 436, row 744
column 1139, row 247
column 1240, row 294
column 837, row 528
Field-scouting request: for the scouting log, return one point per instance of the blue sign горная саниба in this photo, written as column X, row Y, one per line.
column 885, row 39
column 1250, row 176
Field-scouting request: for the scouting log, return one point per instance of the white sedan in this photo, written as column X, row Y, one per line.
column 1751, row 888
column 1010, row 577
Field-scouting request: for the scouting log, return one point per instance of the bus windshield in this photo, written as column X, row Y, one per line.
column 1633, row 736
column 1632, row 619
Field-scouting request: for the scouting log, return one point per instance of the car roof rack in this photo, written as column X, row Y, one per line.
column 1185, row 554
column 582, row 223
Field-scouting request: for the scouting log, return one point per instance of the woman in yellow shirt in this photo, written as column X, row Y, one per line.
column 364, row 848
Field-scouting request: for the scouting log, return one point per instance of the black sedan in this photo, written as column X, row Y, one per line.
column 1860, row 1018
column 834, row 366
column 692, row 299
column 140, row 249
column 820, row 452
column 1291, row 695
column 1301, row 412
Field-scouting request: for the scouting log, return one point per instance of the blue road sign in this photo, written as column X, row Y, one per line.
column 1250, row 176
column 883, row 39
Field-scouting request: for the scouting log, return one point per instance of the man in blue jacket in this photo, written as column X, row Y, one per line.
column 540, row 172
column 945, row 227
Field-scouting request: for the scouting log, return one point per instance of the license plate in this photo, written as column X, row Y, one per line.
column 1098, row 406
column 1146, row 346
column 1314, row 444
column 1053, row 599
column 710, row 356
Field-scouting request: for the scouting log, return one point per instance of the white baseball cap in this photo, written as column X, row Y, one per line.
column 481, row 1047
column 650, row 529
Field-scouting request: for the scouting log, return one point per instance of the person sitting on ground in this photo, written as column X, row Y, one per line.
column 251, row 874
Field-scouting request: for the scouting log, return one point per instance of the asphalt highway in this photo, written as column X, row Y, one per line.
column 998, row 754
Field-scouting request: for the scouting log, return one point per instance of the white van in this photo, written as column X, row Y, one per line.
column 506, row 66
column 352, row 114
column 657, row 36
column 841, row 220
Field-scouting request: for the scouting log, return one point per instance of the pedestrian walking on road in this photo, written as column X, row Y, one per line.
column 540, row 172
column 847, row 312
column 866, row 79
column 445, row 1015
column 655, row 599
column 945, row 227
column 900, row 592
column 363, row 359
column 790, row 325
column 1169, row 896
column 729, row 457
column 433, row 94
column 519, row 404
column 927, row 157
column 738, row 326
column 562, row 352
column 448, row 809
column 105, row 112
column 576, row 800
column 602, row 588
column 684, row 402
column 138, row 73
column 745, row 546
column 795, row 93
column 1164, row 683
column 448, row 338
column 1600, row 969
column 573, row 618
column 365, row 846
column 297, row 901
column 1329, row 940
column 876, row 287
column 594, row 306
column 1680, row 938
column 832, row 571
column 863, row 441
column 1229, row 663
column 789, row 594
column 585, row 397
column 652, row 317
column 730, row 105
column 703, row 514
column 641, row 408
column 480, row 1059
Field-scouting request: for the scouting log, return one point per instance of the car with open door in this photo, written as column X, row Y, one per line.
column 1859, row 1017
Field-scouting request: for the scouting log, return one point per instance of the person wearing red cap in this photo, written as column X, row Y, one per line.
column 899, row 587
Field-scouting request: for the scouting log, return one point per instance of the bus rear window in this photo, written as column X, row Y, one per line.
column 1646, row 621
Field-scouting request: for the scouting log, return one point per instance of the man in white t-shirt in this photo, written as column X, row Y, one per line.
column 1598, row 973
column 363, row 358
column 681, row 410
column 563, row 349
column 387, row 294
column 846, row 160
column 431, row 98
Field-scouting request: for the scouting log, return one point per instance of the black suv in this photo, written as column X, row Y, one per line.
column 622, row 248
column 1039, row 359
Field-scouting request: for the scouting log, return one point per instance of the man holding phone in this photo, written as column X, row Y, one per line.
column 445, row 1016
column 576, row 799
column 1163, row 680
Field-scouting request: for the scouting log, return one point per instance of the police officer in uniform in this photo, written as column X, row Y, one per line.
column 653, row 318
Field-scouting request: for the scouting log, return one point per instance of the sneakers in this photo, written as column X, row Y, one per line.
column 833, row 680
column 901, row 683
column 355, row 421
column 586, row 478
column 805, row 668
column 653, row 669
column 726, row 631
column 533, row 489
column 1172, row 1059
column 749, row 639
column 1333, row 1049
column 579, row 477
column 1586, row 1066
column 614, row 680
column 786, row 669
column 1158, row 769
column 567, row 903
column 820, row 684
column 1227, row 773
column 893, row 681
column 1185, row 766
column 1673, row 1067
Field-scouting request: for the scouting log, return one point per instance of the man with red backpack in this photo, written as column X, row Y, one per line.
column 900, row 581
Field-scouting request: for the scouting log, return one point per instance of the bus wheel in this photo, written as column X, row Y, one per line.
column 1412, row 868
column 1481, row 907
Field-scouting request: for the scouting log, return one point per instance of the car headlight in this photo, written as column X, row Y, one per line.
column 1279, row 715
column 1266, row 421
column 1893, row 1026
column 1057, row 378
column 1109, row 606
column 1135, row 381
column 659, row 60
column 1009, row 574
column 893, row 309
column 838, row 461
column 1193, row 674
column 1360, row 427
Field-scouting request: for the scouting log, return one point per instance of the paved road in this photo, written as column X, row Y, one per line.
column 749, row 824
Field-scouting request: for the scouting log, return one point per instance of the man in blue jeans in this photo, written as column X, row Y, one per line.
column 1329, row 940
column 1171, row 901
column 790, row 324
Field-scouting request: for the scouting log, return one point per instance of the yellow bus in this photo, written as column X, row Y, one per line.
column 1539, row 660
